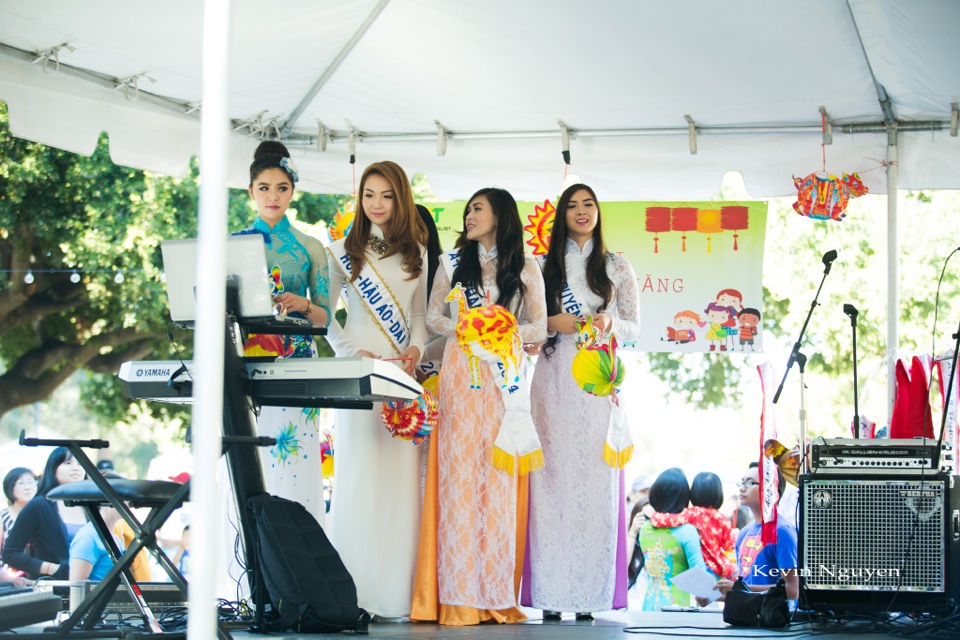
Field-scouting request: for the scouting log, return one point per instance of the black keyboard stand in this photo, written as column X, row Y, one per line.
column 161, row 497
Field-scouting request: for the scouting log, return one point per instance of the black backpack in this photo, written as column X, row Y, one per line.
column 310, row 589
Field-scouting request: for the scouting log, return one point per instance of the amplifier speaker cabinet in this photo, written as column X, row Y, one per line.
column 874, row 543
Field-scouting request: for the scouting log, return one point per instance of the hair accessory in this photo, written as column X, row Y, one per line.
column 289, row 167
column 378, row 244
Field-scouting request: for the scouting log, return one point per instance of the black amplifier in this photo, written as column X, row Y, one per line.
column 876, row 456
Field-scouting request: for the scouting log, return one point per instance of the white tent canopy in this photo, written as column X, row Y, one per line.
column 498, row 76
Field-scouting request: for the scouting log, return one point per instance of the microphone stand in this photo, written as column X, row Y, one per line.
column 804, row 460
column 950, row 399
column 828, row 259
column 851, row 311
column 801, row 360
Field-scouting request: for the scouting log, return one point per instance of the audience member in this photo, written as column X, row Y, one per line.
column 89, row 558
column 19, row 488
column 668, row 551
column 45, row 525
column 716, row 539
column 761, row 565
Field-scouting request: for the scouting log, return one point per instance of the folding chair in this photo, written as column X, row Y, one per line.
column 160, row 496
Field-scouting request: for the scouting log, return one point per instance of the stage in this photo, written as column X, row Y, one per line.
column 607, row 626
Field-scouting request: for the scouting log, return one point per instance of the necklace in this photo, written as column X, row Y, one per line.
column 378, row 244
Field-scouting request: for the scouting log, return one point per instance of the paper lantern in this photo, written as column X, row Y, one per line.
column 708, row 222
column 411, row 420
column 487, row 333
column 326, row 455
column 597, row 369
column 684, row 219
column 735, row 218
column 825, row 197
column 658, row 221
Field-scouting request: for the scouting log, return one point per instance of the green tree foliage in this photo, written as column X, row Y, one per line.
column 61, row 212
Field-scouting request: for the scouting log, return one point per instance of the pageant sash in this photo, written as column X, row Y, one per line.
column 377, row 298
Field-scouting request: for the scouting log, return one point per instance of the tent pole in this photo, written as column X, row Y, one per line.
column 207, row 527
column 893, row 248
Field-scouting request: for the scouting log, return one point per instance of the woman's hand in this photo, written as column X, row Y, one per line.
column 563, row 323
column 409, row 359
column 603, row 322
column 363, row 353
column 636, row 525
column 533, row 348
column 290, row 302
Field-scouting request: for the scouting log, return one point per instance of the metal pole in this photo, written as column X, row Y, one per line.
column 893, row 295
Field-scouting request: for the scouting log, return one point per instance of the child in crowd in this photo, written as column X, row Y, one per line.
column 716, row 536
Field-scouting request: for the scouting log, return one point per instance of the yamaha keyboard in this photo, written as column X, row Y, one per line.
column 20, row 607
column 345, row 383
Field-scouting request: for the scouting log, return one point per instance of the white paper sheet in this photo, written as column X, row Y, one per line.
column 697, row 582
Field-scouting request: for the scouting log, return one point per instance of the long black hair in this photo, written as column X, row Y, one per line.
column 48, row 480
column 509, row 248
column 433, row 245
column 555, row 265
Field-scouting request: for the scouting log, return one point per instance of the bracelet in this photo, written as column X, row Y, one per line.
column 307, row 310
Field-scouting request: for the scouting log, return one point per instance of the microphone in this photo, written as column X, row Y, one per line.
column 851, row 311
column 828, row 259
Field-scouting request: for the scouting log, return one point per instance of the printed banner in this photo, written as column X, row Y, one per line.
column 698, row 265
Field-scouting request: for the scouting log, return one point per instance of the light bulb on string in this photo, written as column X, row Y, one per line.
column 74, row 277
column 29, row 277
column 119, row 277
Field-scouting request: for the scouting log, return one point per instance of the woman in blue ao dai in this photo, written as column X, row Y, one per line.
column 297, row 265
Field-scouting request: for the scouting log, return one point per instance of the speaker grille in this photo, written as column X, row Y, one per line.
column 873, row 535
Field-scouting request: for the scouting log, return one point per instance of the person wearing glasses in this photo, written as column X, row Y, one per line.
column 19, row 487
column 762, row 565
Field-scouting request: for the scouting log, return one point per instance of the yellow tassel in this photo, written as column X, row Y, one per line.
column 531, row 462
column 503, row 460
column 617, row 460
column 626, row 456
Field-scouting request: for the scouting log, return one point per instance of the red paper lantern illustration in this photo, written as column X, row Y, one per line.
column 708, row 222
column 735, row 218
column 684, row 219
column 658, row 221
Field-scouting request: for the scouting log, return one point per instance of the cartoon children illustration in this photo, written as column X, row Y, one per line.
column 731, row 298
column 684, row 324
column 720, row 318
column 749, row 319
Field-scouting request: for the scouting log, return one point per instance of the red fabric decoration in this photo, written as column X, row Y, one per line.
column 911, row 408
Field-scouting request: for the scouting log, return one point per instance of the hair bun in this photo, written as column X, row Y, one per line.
column 271, row 146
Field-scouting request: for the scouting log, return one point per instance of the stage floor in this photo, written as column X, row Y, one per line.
column 611, row 625
column 606, row 626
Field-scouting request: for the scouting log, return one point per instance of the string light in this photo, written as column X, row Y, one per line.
column 118, row 278
column 29, row 277
column 74, row 277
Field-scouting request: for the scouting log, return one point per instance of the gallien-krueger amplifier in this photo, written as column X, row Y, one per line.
column 876, row 457
column 879, row 543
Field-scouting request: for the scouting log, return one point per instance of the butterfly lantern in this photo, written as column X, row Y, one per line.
column 825, row 197
column 488, row 333
column 787, row 461
column 598, row 370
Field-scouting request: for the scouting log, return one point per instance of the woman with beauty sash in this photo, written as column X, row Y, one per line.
column 375, row 511
column 577, row 502
column 471, row 537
